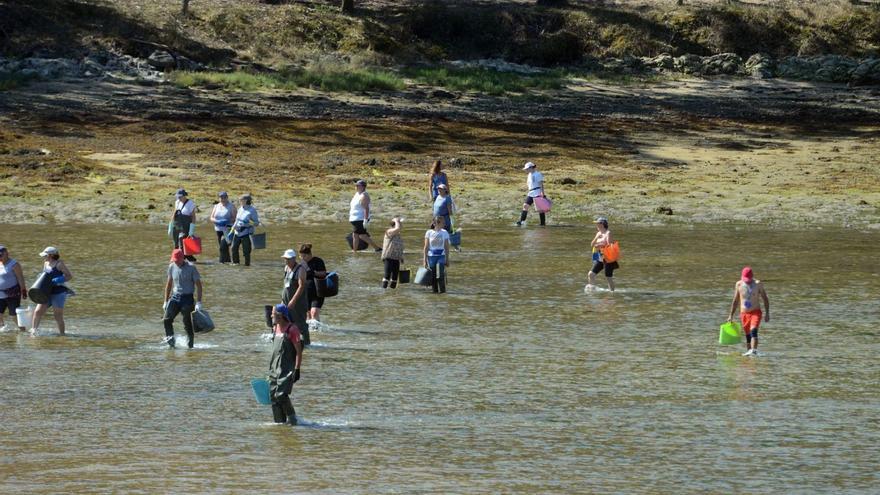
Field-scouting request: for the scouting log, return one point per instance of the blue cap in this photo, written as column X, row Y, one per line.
column 182, row 192
column 282, row 308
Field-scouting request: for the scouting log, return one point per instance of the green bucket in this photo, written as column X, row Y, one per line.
column 730, row 334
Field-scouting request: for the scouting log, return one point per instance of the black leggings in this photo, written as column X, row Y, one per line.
column 245, row 243
column 392, row 269
column 185, row 308
column 224, row 247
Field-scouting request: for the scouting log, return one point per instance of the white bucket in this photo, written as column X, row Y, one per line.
column 24, row 316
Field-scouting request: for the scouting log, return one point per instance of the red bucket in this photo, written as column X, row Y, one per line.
column 192, row 245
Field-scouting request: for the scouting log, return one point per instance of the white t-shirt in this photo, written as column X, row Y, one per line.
column 185, row 209
column 437, row 241
column 357, row 211
column 223, row 213
column 534, row 181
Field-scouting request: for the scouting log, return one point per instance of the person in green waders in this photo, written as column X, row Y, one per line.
column 294, row 295
column 284, row 365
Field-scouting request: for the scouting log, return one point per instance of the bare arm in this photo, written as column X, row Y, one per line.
column 734, row 303
column 213, row 212
column 366, row 202
column 396, row 229
column 19, row 276
column 593, row 242
column 168, row 289
column 63, row 267
column 766, row 303
column 298, row 346
column 431, row 187
column 448, row 251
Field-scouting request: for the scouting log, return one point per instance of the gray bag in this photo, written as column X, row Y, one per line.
column 202, row 322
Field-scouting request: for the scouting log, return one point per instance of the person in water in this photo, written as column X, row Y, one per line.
column 435, row 254
column 59, row 274
column 183, row 295
column 392, row 253
column 284, row 365
column 748, row 294
column 183, row 220
column 602, row 239
column 246, row 221
column 535, row 186
column 437, row 178
column 444, row 207
column 12, row 286
column 315, row 269
column 223, row 217
column 359, row 215
column 294, row 295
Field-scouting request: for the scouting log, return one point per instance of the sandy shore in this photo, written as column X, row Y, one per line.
column 770, row 152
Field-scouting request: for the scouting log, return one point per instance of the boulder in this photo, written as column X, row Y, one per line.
column 721, row 64
column 689, row 64
column 664, row 61
column 867, row 72
column 760, row 66
column 162, row 59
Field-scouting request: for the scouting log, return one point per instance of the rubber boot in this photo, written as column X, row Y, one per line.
column 522, row 217
column 394, row 284
column 289, row 411
column 278, row 413
column 384, row 283
column 543, row 219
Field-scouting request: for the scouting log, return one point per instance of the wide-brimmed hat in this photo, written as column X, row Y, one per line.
column 529, row 165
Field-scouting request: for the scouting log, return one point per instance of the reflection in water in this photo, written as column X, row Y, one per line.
column 514, row 381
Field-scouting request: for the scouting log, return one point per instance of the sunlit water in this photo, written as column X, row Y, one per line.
column 516, row 381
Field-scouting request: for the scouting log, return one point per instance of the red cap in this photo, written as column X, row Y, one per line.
column 177, row 255
column 747, row 276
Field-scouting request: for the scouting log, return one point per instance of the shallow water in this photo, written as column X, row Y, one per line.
column 516, row 381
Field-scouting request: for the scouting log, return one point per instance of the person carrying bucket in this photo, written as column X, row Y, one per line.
column 535, row 186
column 183, row 220
column 183, row 295
column 59, row 274
column 444, row 207
column 359, row 216
column 223, row 217
column 436, row 254
column 748, row 294
column 12, row 286
column 602, row 239
column 246, row 221
column 294, row 295
column 315, row 269
column 392, row 253
column 284, row 365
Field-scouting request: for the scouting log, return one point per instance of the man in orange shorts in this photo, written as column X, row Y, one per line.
column 749, row 293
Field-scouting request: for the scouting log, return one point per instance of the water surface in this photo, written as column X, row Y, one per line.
column 516, row 381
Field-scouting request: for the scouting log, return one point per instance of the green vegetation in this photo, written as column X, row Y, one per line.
column 349, row 80
column 487, row 81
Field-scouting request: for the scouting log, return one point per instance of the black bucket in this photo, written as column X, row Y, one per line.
column 362, row 244
column 41, row 291
column 327, row 286
column 404, row 276
column 268, row 310
column 259, row 240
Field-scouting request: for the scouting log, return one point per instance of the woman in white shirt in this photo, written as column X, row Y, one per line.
column 223, row 217
column 246, row 220
column 358, row 215
column 535, row 185
column 435, row 254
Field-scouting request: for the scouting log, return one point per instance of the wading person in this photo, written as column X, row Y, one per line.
column 183, row 219
column 315, row 269
column 392, row 253
column 444, row 207
column 359, row 215
column 59, row 274
column 535, row 186
column 223, row 217
column 12, row 286
column 435, row 254
column 748, row 294
column 602, row 239
column 183, row 294
column 246, row 220
column 294, row 295
column 436, row 178
column 284, row 365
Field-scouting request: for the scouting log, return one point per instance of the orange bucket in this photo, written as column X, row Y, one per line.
column 192, row 245
column 611, row 253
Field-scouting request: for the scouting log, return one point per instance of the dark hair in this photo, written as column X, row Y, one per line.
column 54, row 257
column 604, row 223
column 305, row 249
column 435, row 169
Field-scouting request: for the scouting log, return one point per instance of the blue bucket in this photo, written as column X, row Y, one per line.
column 261, row 390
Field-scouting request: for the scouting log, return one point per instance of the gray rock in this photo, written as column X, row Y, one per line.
column 867, row 72
column 162, row 59
column 664, row 61
column 760, row 66
column 689, row 64
column 721, row 64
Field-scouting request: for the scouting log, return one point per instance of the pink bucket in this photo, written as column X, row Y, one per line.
column 542, row 204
